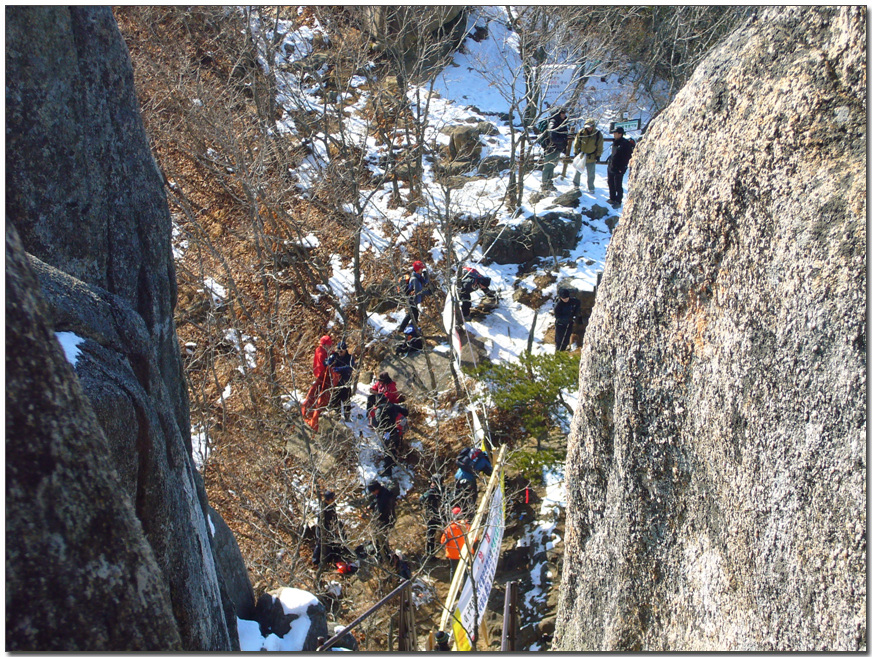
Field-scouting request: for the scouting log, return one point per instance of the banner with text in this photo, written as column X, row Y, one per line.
column 484, row 568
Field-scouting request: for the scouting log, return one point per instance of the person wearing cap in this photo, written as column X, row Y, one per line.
column 384, row 385
column 454, row 536
column 589, row 141
column 413, row 342
column 416, row 283
column 342, row 363
column 319, row 393
column 555, row 141
column 565, row 311
column 619, row 159
column 442, row 641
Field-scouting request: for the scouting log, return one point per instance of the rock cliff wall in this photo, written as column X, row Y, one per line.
column 717, row 460
column 86, row 198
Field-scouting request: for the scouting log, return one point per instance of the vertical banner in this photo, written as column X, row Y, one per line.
column 449, row 321
column 471, row 608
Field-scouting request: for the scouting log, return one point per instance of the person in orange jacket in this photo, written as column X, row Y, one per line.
column 319, row 394
column 454, row 536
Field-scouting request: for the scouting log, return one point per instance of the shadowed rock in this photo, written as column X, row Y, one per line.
column 86, row 197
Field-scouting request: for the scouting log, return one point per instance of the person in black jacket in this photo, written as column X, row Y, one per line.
column 341, row 362
column 413, row 342
column 383, row 509
column 383, row 418
column 328, row 534
column 432, row 501
column 555, row 140
column 565, row 311
column 618, row 161
column 468, row 280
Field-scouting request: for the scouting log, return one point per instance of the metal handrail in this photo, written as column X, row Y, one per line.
column 357, row 621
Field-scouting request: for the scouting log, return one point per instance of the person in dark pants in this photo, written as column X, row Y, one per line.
column 383, row 509
column 328, row 534
column 385, row 418
column 412, row 344
column 565, row 311
column 415, row 286
column 617, row 163
column 432, row 500
column 342, row 363
column 402, row 567
column 555, row 140
column 470, row 279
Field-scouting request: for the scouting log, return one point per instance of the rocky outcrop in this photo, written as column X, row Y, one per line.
column 544, row 236
column 408, row 27
column 80, row 574
column 717, row 462
column 86, row 198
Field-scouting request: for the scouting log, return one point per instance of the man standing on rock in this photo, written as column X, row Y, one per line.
column 617, row 166
column 589, row 141
column 555, row 141
column 565, row 311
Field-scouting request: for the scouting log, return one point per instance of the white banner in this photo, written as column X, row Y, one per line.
column 484, row 568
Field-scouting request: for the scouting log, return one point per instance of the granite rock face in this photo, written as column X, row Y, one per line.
column 86, row 198
column 717, row 461
column 80, row 574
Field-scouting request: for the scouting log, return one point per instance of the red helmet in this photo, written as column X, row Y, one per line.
column 417, row 266
column 343, row 568
column 325, row 340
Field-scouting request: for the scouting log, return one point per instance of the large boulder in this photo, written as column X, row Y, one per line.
column 86, row 197
column 716, row 470
column 537, row 237
column 80, row 573
column 464, row 143
column 404, row 28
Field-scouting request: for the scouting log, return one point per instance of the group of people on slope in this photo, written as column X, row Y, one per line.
column 589, row 142
column 447, row 517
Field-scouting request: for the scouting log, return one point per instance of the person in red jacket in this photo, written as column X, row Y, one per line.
column 319, row 394
column 386, row 386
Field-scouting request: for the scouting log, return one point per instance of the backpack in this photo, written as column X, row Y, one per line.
column 424, row 278
column 464, row 461
column 405, row 284
column 402, row 424
column 542, row 126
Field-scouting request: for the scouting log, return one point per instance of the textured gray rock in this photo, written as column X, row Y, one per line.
column 717, row 461
column 537, row 237
column 231, row 567
column 80, row 574
column 464, row 143
column 82, row 187
column 87, row 198
column 492, row 165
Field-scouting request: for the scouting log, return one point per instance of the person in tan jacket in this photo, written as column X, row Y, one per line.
column 589, row 140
